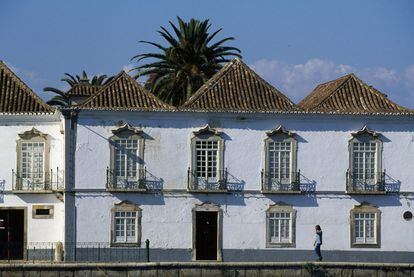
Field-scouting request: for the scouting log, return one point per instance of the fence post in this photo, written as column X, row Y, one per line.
column 51, row 254
column 147, row 243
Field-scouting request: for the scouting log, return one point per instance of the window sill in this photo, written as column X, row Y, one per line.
column 35, row 191
column 280, row 191
column 125, row 244
column 365, row 245
column 280, row 245
column 369, row 192
column 208, row 191
column 126, row 190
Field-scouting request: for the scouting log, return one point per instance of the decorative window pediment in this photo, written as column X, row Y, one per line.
column 366, row 131
column 280, row 130
column 126, row 128
column 32, row 133
column 207, row 131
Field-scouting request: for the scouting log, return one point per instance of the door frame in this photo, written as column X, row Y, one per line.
column 208, row 207
column 24, row 227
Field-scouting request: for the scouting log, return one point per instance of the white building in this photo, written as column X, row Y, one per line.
column 241, row 173
column 31, row 170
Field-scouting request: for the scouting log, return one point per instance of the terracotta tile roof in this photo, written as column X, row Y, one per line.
column 124, row 93
column 236, row 87
column 16, row 97
column 349, row 94
column 83, row 90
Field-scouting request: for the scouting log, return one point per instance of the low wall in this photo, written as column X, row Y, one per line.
column 206, row 269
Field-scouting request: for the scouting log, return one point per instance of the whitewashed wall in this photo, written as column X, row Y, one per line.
column 38, row 230
column 322, row 157
column 167, row 221
column 322, row 148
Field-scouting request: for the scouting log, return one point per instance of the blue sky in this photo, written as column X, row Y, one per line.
column 292, row 44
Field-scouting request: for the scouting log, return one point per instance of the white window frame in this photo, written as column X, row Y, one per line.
column 207, row 134
column 126, row 206
column 126, row 132
column 280, row 135
column 281, row 207
column 365, row 208
column 365, row 135
column 30, row 183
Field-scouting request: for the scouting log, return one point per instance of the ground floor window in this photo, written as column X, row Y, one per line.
column 280, row 226
column 365, row 226
column 126, row 223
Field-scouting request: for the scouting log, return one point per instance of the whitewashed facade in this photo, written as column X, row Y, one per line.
column 32, row 165
column 322, row 157
column 361, row 223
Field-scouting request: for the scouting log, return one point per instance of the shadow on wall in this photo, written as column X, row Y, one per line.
column 234, row 184
column 153, row 183
column 39, row 198
column 379, row 200
column 392, row 185
column 301, row 200
column 138, row 198
column 305, row 184
column 232, row 199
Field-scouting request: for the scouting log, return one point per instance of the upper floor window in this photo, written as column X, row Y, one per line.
column 365, row 226
column 280, row 222
column 127, row 156
column 32, row 162
column 280, row 172
column 365, row 172
column 207, row 165
column 126, row 224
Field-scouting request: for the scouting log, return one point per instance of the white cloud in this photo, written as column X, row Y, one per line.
column 128, row 67
column 409, row 77
column 298, row 80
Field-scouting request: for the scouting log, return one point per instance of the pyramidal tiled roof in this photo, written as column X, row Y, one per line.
column 124, row 93
column 236, row 87
column 16, row 97
column 348, row 94
column 83, row 90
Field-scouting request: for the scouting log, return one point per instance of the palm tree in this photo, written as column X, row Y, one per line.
column 186, row 63
column 62, row 99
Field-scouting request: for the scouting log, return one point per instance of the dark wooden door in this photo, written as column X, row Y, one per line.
column 206, row 235
column 12, row 234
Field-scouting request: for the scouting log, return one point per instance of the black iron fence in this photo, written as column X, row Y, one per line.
column 52, row 180
column 217, row 182
column 358, row 182
column 35, row 252
column 135, row 181
column 272, row 184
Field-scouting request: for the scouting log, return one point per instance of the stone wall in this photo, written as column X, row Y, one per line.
column 208, row 269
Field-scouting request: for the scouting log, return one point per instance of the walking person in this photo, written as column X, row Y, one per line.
column 318, row 242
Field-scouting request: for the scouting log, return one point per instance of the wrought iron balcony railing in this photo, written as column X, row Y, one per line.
column 369, row 183
column 40, row 181
column 135, row 181
column 272, row 184
column 217, row 183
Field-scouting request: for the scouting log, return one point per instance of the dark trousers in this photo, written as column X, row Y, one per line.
column 318, row 251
